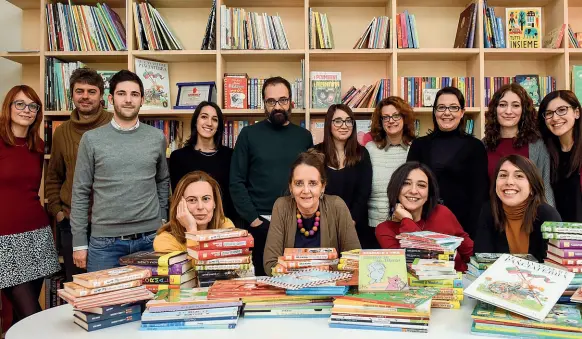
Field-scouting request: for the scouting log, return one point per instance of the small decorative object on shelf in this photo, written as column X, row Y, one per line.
column 191, row 94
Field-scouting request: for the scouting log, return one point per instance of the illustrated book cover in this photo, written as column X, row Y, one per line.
column 304, row 278
column 523, row 27
column 156, row 83
column 382, row 270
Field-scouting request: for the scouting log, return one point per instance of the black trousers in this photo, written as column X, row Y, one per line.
column 66, row 250
column 259, row 234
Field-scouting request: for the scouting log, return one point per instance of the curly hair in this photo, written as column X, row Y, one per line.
column 527, row 125
column 377, row 130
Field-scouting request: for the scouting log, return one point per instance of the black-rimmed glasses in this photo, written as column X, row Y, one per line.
column 273, row 102
column 560, row 111
column 395, row 117
column 339, row 122
column 452, row 109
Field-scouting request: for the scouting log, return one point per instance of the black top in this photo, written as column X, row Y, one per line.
column 314, row 241
column 217, row 164
column 489, row 240
column 459, row 162
column 567, row 190
column 354, row 185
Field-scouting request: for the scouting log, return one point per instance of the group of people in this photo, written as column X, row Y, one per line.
column 108, row 181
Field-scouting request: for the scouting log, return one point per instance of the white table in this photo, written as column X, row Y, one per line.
column 58, row 323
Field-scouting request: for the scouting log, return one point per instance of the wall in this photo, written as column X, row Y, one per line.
column 10, row 21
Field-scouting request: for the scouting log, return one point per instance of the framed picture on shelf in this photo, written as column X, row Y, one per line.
column 191, row 94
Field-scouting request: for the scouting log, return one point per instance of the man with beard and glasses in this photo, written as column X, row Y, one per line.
column 122, row 167
column 86, row 91
column 261, row 161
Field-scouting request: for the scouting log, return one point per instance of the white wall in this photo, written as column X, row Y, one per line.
column 10, row 26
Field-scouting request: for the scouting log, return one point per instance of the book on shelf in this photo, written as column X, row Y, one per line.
column 376, row 35
column 524, row 27
column 156, row 83
column 251, row 30
column 406, row 31
column 171, row 130
column 152, row 32
column 320, row 31
column 574, row 39
column 209, row 41
column 546, row 85
column 576, row 83
column 106, row 75
column 57, row 92
column 553, row 39
column 84, row 28
column 368, row 96
column 325, row 89
column 412, row 89
column 531, row 84
column 493, row 31
column 465, row 37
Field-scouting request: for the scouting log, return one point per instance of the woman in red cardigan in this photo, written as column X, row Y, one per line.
column 413, row 196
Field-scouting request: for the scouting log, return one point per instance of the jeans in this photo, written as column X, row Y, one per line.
column 104, row 253
column 259, row 233
column 66, row 249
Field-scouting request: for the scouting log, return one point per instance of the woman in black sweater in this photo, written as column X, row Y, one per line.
column 458, row 160
column 348, row 168
column 511, row 221
column 204, row 152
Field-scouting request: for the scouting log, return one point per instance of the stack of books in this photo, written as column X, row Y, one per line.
column 152, row 32
column 94, row 292
column 349, row 260
column 220, row 254
column 565, row 252
column 438, row 269
column 189, row 309
column 404, row 311
column 168, row 270
column 481, row 261
column 296, row 259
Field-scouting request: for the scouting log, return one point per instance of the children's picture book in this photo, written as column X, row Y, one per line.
column 106, row 75
column 382, row 270
column 521, row 286
column 523, row 27
column 489, row 258
column 304, row 278
column 403, row 299
column 531, row 84
column 156, row 83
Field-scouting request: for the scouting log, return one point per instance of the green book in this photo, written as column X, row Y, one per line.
column 382, row 270
column 408, row 299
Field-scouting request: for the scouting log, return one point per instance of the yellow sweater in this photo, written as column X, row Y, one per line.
column 165, row 241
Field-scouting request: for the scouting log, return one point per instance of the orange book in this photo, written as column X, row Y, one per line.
column 213, row 254
column 216, row 234
column 111, row 277
column 310, row 253
column 80, row 291
column 231, row 243
column 305, row 263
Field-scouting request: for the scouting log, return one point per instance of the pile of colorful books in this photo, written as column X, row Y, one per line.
column 565, row 252
column 481, row 261
column 430, row 261
column 107, row 293
column 295, row 259
column 168, row 270
column 404, row 311
column 220, row 254
column 349, row 260
column 189, row 309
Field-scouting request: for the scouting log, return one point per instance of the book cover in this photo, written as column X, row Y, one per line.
column 177, row 268
column 489, row 258
column 216, row 234
column 89, row 327
column 213, row 254
column 156, row 83
column 305, row 278
column 122, row 311
column 111, row 277
column 430, row 237
column 523, row 27
column 531, row 84
column 106, row 75
column 382, row 270
column 309, row 253
column 153, row 258
column 234, row 243
column 80, row 291
column 405, row 299
column 521, row 286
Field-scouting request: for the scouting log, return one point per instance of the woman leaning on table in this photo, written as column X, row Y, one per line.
column 457, row 159
column 196, row 205
column 561, row 128
column 348, row 168
column 511, row 221
column 511, row 128
column 27, row 250
column 308, row 218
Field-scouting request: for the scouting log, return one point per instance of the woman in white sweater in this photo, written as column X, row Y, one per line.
column 392, row 133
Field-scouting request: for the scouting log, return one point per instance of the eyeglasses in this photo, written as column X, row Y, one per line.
column 395, row 117
column 272, row 102
column 452, row 109
column 339, row 122
column 20, row 105
column 560, row 111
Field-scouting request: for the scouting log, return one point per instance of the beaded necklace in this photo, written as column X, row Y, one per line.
column 302, row 229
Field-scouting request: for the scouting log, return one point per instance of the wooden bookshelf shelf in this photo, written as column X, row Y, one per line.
column 349, row 3
column 22, row 58
column 56, row 113
column 262, row 3
column 92, row 57
column 256, row 55
column 181, row 3
column 521, row 53
column 350, row 54
column 177, row 56
column 436, row 54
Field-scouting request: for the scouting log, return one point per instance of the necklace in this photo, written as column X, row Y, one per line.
column 302, row 229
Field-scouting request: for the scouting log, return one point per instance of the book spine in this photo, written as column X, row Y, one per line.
column 222, row 267
column 91, row 318
column 227, row 260
column 213, row 254
column 559, row 229
column 236, row 243
column 113, row 322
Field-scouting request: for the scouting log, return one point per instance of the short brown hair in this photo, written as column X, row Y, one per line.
column 87, row 76
column 377, row 130
column 313, row 158
column 173, row 226
column 33, row 138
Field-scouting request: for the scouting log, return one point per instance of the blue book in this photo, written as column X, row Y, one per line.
column 325, row 291
column 378, row 328
column 110, row 312
column 89, row 327
column 189, row 327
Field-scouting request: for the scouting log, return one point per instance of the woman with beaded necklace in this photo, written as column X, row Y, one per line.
column 308, row 218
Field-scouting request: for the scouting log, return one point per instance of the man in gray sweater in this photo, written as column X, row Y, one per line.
column 121, row 181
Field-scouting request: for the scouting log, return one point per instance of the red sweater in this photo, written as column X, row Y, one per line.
column 20, row 177
column 441, row 220
column 504, row 148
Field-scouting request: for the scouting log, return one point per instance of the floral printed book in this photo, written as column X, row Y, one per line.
column 520, row 286
column 382, row 270
column 304, row 278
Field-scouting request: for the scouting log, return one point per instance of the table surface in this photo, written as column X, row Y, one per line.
column 57, row 322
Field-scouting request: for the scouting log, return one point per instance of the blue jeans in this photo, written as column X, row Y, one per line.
column 104, row 253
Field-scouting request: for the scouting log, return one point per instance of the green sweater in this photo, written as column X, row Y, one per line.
column 259, row 170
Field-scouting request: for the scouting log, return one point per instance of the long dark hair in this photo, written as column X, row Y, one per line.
column 456, row 92
column 527, row 128
column 538, row 193
column 377, row 129
column 352, row 148
column 553, row 142
column 398, row 180
column 219, row 130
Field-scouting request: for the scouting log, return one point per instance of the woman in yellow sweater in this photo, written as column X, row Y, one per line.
column 196, row 205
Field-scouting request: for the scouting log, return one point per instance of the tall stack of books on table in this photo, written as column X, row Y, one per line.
column 168, row 270
column 518, row 298
column 430, row 259
column 189, row 309
column 565, row 252
column 296, row 259
column 220, row 254
column 107, row 293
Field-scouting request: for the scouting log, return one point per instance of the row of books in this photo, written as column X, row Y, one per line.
column 251, row 30
column 465, row 37
column 421, row 91
column 406, row 31
column 294, row 259
column 320, row 31
column 151, row 30
column 52, row 284
column 536, row 86
column 367, row 96
column 376, row 35
column 84, row 28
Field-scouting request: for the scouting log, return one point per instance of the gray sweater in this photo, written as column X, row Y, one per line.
column 125, row 174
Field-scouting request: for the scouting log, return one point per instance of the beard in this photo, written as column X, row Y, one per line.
column 279, row 117
column 126, row 113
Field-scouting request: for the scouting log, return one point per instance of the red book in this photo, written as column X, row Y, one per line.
column 212, row 254
column 233, row 243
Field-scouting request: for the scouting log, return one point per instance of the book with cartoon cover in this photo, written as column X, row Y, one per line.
column 405, row 299
column 521, row 286
column 304, row 278
column 382, row 270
